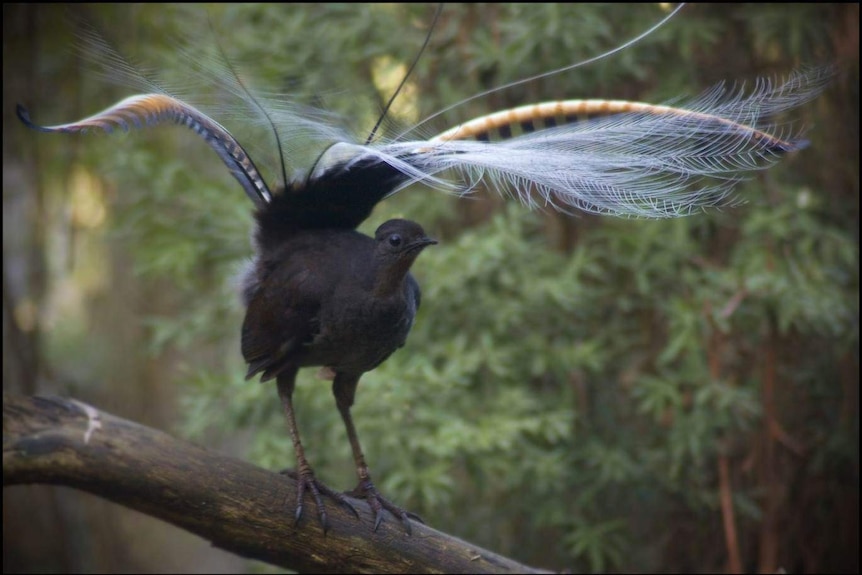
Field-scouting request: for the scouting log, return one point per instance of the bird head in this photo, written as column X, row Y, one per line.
column 398, row 243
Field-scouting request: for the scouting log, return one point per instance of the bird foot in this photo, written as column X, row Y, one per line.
column 307, row 481
column 366, row 490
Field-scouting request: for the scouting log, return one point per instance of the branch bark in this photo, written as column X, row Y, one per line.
column 235, row 505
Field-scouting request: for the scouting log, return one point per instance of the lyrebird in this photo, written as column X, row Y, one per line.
column 319, row 293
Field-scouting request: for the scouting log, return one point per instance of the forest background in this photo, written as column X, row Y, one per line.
column 577, row 393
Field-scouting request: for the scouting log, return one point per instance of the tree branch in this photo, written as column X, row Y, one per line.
column 237, row 506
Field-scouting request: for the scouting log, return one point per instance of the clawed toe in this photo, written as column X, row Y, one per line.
column 378, row 503
column 365, row 490
column 307, row 481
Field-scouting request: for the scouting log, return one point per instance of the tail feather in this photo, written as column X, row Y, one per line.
column 153, row 109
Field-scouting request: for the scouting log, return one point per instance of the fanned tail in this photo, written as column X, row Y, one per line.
column 620, row 158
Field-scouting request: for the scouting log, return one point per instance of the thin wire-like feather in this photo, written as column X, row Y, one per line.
column 305, row 132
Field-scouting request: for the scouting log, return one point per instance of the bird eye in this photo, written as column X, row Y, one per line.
column 394, row 240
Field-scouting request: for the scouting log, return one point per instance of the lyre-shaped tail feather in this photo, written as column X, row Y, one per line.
column 153, row 109
column 621, row 158
column 532, row 118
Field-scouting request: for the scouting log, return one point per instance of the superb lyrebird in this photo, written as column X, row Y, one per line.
column 320, row 293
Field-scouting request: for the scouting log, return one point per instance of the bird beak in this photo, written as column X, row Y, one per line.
column 421, row 243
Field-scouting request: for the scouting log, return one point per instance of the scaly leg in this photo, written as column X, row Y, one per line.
column 304, row 475
column 344, row 389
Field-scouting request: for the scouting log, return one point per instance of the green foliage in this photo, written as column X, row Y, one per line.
column 565, row 406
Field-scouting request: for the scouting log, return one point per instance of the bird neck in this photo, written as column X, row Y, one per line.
column 389, row 277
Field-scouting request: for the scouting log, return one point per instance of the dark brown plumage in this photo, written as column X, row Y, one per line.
column 335, row 298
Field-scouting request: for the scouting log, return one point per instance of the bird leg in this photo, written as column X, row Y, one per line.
column 304, row 475
column 344, row 389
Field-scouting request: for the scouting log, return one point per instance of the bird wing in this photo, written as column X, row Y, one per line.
column 273, row 341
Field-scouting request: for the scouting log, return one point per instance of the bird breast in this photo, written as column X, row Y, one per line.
column 361, row 332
